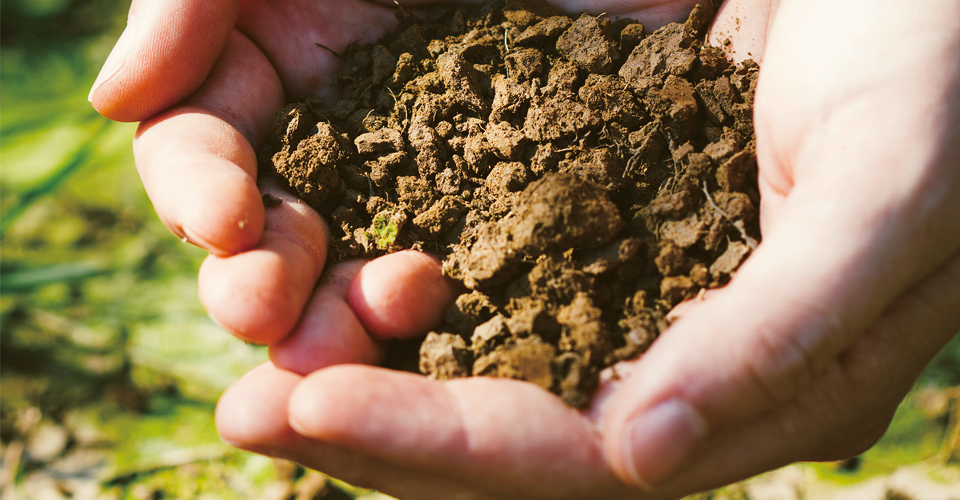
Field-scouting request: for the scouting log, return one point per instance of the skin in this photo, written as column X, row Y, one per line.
column 803, row 356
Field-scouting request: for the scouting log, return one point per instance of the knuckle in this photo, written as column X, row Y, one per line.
column 782, row 361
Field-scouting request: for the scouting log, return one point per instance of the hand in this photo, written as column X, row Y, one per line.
column 223, row 69
column 804, row 356
column 858, row 139
column 412, row 436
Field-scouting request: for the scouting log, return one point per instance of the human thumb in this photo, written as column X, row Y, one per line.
column 163, row 55
column 818, row 280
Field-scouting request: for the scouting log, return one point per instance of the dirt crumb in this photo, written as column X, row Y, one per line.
column 587, row 44
column 579, row 177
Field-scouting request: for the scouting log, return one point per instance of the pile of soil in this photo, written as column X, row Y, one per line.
column 580, row 177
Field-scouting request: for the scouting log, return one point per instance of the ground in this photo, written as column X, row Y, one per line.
column 110, row 368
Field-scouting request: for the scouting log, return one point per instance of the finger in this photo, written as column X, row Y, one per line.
column 481, row 432
column 758, row 343
column 850, row 406
column 862, row 223
column 741, row 27
column 197, row 161
column 329, row 332
column 163, row 55
column 401, row 295
column 757, row 445
column 252, row 415
column 258, row 295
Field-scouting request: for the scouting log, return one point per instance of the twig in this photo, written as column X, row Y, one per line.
column 406, row 115
column 311, row 486
column 752, row 243
column 951, row 442
column 401, row 8
column 11, row 464
column 335, row 53
column 632, row 162
column 710, row 201
column 673, row 147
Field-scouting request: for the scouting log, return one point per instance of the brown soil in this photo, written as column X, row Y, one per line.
column 580, row 176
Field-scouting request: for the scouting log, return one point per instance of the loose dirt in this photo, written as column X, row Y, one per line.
column 579, row 177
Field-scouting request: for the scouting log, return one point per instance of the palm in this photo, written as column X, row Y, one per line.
column 287, row 32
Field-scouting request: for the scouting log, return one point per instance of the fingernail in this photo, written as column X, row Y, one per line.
column 117, row 56
column 194, row 239
column 242, row 334
column 659, row 439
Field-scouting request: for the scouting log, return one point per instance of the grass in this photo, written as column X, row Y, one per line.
column 100, row 323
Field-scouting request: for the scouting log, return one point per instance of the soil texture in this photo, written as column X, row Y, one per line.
column 579, row 176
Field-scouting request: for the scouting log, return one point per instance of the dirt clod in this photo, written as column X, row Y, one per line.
column 580, row 177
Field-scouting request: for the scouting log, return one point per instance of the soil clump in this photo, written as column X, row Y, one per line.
column 579, row 176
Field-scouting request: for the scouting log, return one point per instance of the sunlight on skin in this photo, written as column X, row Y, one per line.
column 390, row 312
column 778, row 389
column 259, row 294
column 741, row 28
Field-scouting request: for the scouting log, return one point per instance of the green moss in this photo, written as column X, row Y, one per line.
column 383, row 231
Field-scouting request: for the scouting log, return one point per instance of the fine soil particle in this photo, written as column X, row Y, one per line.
column 580, row 177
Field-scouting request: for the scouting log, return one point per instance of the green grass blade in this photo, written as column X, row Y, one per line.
column 54, row 180
column 18, row 281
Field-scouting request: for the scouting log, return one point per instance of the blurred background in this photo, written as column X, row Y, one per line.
column 110, row 368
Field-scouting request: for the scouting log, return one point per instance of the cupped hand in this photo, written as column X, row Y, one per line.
column 804, row 356
column 205, row 79
column 857, row 117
